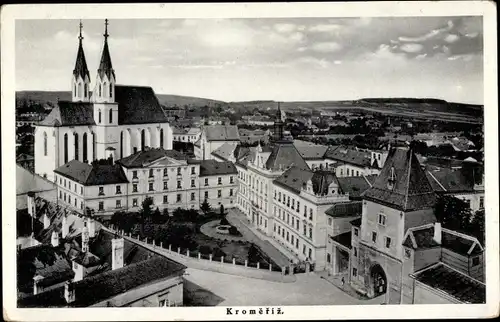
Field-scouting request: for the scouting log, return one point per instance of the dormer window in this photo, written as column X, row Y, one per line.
column 392, row 179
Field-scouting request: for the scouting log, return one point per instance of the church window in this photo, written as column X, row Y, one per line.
column 85, row 90
column 79, row 89
column 44, row 143
column 104, row 86
column 143, row 139
column 111, row 116
column 66, row 148
column 161, row 138
column 77, row 146
column 99, row 116
column 121, row 144
column 85, row 151
column 110, row 90
column 100, row 90
column 74, row 90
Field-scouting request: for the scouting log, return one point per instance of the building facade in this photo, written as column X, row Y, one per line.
column 213, row 137
column 112, row 120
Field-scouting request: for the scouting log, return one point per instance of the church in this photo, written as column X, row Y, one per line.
column 109, row 121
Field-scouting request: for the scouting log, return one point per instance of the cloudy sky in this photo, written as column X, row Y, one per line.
column 259, row 59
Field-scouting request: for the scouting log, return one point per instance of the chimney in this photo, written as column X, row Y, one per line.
column 117, row 252
column 69, row 292
column 36, row 287
column 46, row 220
column 85, row 238
column 91, row 226
column 437, row 232
column 65, row 225
column 31, row 204
column 79, row 270
column 55, row 239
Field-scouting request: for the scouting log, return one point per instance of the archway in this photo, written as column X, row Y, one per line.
column 378, row 280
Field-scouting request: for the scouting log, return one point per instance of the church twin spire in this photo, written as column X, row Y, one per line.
column 105, row 73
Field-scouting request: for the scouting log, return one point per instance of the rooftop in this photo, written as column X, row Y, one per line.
column 149, row 155
column 402, row 184
column 310, row 151
column 136, row 105
column 213, row 168
column 92, row 175
column 30, row 182
column 345, row 209
column 343, row 239
column 226, row 150
column 284, row 155
column 455, row 284
column 349, row 155
column 221, row 133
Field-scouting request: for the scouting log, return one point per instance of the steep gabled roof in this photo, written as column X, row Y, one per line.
column 349, row 155
column 92, row 175
column 221, row 133
column 226, row 150
column 67, row 113
column 283, row 155
column 410, row 189
column 321, row 181
column 105, row 65
column 355, row 186
column 345, row 209
column 294, row 178
column 310, row 151
column 213, row 167
column 138, row 105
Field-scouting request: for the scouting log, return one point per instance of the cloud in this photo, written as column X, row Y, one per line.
column 337, row 62
column 411, row 48
column 326, row 47
column 472, row 35
column 451, row 38
column 421, row 56
column 313, row 61
column 284, row 27
column 325, row 28
column 431, row 34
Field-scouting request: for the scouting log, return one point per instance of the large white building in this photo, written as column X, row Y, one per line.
column 112, row 120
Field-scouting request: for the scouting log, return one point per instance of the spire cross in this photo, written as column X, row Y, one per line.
column 106, row 23
column 81, row 27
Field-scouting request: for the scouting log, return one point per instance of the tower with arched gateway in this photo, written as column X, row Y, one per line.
column 111, row 121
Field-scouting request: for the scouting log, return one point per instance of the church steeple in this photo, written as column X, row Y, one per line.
column 81, row 76
column 105, row 83
column 278, row 126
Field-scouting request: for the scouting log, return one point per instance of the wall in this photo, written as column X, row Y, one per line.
column 426, row 257
column 229, row 191
column 473, row 198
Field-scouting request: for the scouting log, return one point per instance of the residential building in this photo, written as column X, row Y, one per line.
column 78, row 263
column 218, row 183
column 212, row 137
column 101, row 187
column 397, row 240
column 351, row 162
column 260, row 120
column 112, row 119
column 191, row 134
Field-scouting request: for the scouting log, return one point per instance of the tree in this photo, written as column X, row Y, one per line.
column 222, row 208
column 453, row 213
column 165, row 213
column 146, row 211
column 205, row 207
column 477, row 224
column 253, row 254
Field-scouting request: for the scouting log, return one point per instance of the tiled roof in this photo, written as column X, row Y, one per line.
column 310, row 151
column 284, row 155
column 294, row 178
column 356, row 222
column 136, row 105
column 92, row 175
column 450, row 181
column 67, row 113
column 343, row 239
column 457, row 285
column 459, row 244
column 424, row 238
column 222, row 133
column 348, row 155
column 410, row 190
column 345, row 209
column 98, row 288
column 24, row 157
column 226, row 150
column 139, row 159
column 27, row 181
column 355, row 186
column 321, row 181
column 212, row 168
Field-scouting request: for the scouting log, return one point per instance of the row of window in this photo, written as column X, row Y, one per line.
column 293, row 221
column 291, row 239
column 68, row 184
column 292, row 203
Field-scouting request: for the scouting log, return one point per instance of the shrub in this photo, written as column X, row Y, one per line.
column 204, row 249
column 217, row 252
column 234, row 231
column 224, row 221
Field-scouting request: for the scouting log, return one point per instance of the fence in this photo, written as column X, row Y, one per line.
column 208, row 261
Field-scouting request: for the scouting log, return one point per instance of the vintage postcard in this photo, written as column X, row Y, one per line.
column 250, row 161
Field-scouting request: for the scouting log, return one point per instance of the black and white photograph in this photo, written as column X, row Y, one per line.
column 253, row 165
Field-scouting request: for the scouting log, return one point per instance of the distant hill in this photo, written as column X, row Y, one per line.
column 411, row 107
